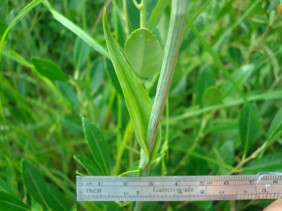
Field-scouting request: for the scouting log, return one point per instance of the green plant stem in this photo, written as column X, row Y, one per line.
column 174, row 39
column 177, row 23
column 143, row 12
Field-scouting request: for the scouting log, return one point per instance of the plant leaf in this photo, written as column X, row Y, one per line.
column 38, row 188
column 35, row 184
column 88, row 163
column 10, row 202
column 76, row 30
column 98, row 147
column 205, row 79
column 81, row 52
column 136, row 98
column 157, row 12
column 49, row 69
column 212, row 96
column 267, row 163
column 248, row 126
column 57, row 199
column 240, row 76
column 276, row 125
column 68, row 93
column 143, row 52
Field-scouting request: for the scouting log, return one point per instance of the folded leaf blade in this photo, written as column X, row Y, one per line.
column 136, row 97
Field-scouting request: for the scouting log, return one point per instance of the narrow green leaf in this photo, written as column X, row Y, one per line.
column 248, row 126
column 49, row 69
column 19, row 16
column 276, row 125
column 136, row 98
column 76, row 30
column 113, row 75
column 156, row 13
column 81, row 52
column 98, row 147
column 11, row 202
column 240, row 76
column 267, row 163
column 35, row 184
column 133, row 15
column 49, row 197
column 205, row 79
column 5, row 187
column 88, row 163
column 143, row 52
column 68, row 93
column 57, row 199
column 227, row 152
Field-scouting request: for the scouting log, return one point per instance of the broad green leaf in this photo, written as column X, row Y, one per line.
column 276, row 125
column 205, row 79
column 143, row 52
column 88, row 163
column 11, row 202
column 35, row 184
column 49, row 69
column 212, row 96
column 240, row 76
column 136, row 98
column 98, row 147
column 268, row 163
column 81, row 52
column 248, row 126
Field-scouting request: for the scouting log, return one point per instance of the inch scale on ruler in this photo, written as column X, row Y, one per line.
column 179, row 188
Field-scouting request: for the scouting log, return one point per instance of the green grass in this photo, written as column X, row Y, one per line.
column 62, row 94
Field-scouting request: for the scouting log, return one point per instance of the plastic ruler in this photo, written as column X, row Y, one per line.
column 179, row 188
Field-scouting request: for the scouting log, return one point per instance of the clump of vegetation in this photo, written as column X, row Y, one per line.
column 146, row 88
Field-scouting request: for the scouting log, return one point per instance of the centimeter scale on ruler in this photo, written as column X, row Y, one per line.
column 179, row 188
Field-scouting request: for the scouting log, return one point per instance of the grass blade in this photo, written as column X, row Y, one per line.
column 76, row 30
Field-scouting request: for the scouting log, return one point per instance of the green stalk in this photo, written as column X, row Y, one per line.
column 143, row 12
column 175, row 34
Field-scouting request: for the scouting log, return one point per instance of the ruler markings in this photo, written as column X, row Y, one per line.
column 179, row 188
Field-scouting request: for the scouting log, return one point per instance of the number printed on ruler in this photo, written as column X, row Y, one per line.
column 179, row 188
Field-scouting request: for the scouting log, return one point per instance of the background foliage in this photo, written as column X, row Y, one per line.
column 223, row 115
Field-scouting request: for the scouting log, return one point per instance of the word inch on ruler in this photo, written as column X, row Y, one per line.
column 179, row 188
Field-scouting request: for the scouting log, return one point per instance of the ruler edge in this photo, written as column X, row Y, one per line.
column 215, row 197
